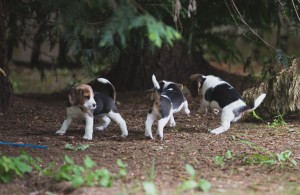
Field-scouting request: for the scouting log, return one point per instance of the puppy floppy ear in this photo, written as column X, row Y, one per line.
column 195, row 83
column 150, row 94
column 74, row 97
column 180, row 86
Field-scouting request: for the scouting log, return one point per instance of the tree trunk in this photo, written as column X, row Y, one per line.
column 62, row 53
column 5, row 85
column 133, row 71
column 282, row 92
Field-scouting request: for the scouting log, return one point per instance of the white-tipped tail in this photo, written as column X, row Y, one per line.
column 259, row 100
column 155, row 83
column 113, row 93
column 103, row 80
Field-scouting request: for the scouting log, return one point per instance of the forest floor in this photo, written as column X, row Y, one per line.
column 235, row 162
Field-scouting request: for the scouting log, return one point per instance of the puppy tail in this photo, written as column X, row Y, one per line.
column 250, row 108
column 112, row 91
column 155, row 83
column 156, row 95
column 258, row 101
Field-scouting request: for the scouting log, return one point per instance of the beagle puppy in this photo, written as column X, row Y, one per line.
column 220, row 95
column 88, row 104
column 167, row 99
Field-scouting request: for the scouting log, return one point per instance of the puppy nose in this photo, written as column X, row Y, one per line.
column 94, row 105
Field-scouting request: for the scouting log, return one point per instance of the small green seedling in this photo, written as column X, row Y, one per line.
column 149, row 188
column 149, row 185
column 122, row 168
column 17, row 166
column 286, row 157
column 220, row 160
column 81, row 147
column 267, row 157
column 277, row 122
column 191, row 183
column 80, row 175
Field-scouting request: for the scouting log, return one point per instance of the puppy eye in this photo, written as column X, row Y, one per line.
column 86, row 97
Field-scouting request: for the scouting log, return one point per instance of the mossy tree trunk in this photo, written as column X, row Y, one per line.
column 283, row 92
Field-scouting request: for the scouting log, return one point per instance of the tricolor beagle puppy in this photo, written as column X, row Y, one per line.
column 220, row 95
column 84, row 102
column 167, row 99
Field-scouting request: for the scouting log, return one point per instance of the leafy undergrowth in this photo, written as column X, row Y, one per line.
column 252, row 157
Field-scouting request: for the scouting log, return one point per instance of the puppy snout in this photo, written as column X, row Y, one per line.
column 94, row 106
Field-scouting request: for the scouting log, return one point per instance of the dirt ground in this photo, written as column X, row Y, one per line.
column 34, row 119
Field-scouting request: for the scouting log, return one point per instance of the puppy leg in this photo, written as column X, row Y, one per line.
column 105, row 121
column 203, row 106
column 172, row 121
column 89, row 123
column 67, row 122
column 226, row 117
column 148, row 124
column 161, row 124
column 186, row 108
column 120, row 121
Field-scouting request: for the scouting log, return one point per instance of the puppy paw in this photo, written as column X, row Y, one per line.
column 87, row 137
column 124, row 135
column 59, row 132
column 217, row 131
column 172, row 124
column 148, row 136
column 187, row 111
column 100, row 128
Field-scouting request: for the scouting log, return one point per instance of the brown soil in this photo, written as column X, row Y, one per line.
column 34, row 120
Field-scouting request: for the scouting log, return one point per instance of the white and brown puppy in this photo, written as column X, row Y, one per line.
column 220, row 95
column 85, row 103
column 167, row 99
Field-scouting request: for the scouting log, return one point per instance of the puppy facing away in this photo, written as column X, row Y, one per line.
column 88, row 104
column 220, row 95
column 167, row 99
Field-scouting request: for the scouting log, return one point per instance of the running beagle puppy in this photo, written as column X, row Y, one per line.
column 220, row 95
column 167, row 99
column 88, row 104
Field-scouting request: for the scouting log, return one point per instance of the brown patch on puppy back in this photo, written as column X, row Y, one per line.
column 156, row 102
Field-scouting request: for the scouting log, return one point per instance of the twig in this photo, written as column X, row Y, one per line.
column 295, row 9
column 247, row 25
column 287, row 18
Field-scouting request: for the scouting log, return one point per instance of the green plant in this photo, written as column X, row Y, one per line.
column 80, row 175
column 81, row 147
column 122, row 168
column 266, row 157
column 220, row 160
column 251, row 159
column 149, row 186
column 191, row 183
column 19, row 166
column 285, row 156
column 256, row 116
column 277, row 122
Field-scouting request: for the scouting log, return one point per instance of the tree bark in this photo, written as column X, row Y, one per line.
column 5, row 85
column 282, row 92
